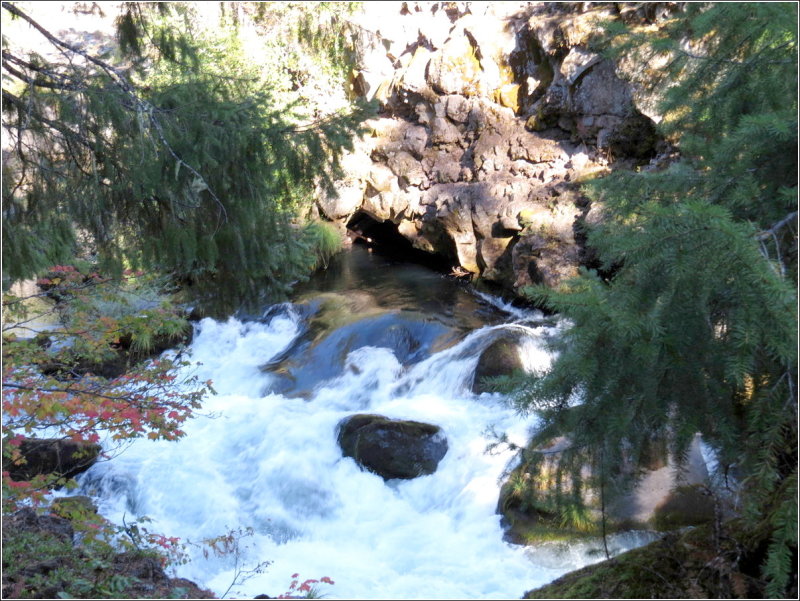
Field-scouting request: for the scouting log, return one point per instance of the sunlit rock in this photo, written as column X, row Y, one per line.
column 455, row 69
column 507, row 103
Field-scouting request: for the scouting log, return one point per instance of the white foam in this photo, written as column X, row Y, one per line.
column 272, row 463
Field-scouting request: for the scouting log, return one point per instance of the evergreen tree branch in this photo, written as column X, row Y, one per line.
column 749, row 62
column 61, row 82
column 140, row 106
column 58, row 126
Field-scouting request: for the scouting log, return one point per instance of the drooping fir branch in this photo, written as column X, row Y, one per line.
column 131, row 163
column 140, row 106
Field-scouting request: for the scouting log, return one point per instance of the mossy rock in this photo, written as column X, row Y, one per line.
column 686, row 506
column 688, row 565
column 526, row 217
column 534, row 512
column 333, row 310
column 509, row 95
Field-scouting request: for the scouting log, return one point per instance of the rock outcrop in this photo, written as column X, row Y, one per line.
column 392, row 448
column 48, row 564
column 667, row 494
column 64, row 458
column 490, row 114
column 695, row 563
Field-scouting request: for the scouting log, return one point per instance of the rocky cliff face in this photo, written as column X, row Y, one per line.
column 491, row 113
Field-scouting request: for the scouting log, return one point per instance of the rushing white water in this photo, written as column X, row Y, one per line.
column 267, row 461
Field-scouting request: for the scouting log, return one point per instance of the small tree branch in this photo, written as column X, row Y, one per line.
column 776, row 227
column 64, row 82
column 59, row 127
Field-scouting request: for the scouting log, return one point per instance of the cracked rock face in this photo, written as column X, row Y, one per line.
column 488, row 120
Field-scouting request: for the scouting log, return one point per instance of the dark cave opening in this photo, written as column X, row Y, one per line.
column 383, row 238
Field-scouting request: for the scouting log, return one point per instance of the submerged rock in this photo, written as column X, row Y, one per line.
column 392, row 448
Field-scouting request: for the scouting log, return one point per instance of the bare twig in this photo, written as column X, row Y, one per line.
column 779, row 225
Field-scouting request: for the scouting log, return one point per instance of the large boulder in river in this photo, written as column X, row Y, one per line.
column 501, row 358
column 392, row 448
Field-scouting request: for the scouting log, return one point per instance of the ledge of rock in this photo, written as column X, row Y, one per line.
column 667, row 495
column 693, row 564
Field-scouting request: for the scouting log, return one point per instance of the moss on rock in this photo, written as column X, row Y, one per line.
column 695, row 564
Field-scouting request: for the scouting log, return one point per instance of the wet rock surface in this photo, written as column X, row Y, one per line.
column 501, row 358
column 392, row 448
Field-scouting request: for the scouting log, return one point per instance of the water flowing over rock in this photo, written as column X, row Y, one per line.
column 501, row 358
column 267, row 460
column 392, row 448
column 490, row 112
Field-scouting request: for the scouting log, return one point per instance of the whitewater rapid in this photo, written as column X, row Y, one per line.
column 256, row 459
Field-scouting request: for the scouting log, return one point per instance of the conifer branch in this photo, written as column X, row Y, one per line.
column 772, row 232
column 141, row 106
column 56, row 125
column 749, row 62
column 64, row 84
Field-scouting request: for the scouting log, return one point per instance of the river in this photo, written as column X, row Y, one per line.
column 369, row 335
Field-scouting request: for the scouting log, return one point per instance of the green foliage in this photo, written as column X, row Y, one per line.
column 728, row 90
column 193, row 167
column 693, row 327
column 325, row 240
column 322, row 41
column 41, row 564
